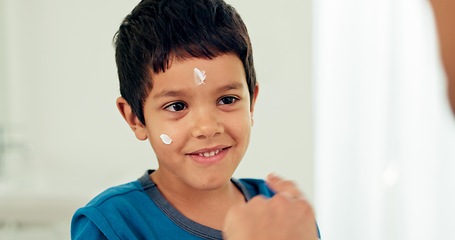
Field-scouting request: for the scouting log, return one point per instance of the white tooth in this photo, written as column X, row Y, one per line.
column 217, row 151
column 200, row 154
column 206, row 154
column 212, row 153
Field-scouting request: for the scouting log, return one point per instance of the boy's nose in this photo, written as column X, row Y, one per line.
column 206, row 125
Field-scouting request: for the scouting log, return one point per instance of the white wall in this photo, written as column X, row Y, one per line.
column 61, row 85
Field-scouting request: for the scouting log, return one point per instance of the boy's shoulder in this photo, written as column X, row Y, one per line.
column 117, row 193
column 114, row 212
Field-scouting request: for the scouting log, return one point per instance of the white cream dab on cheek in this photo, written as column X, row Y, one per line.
column 199, row 76
column 166, row 139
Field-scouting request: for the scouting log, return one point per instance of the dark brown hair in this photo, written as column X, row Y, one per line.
column 157, row 31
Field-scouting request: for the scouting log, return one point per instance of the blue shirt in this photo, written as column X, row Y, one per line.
column 137, row 210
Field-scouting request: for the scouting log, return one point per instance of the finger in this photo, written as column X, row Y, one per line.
column 278, row 185
column 273, row 178
column 285, row 195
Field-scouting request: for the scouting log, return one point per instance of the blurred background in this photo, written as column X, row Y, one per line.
column 352, row 106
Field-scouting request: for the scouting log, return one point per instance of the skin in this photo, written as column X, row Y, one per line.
column 445, row 19
column 214, row 117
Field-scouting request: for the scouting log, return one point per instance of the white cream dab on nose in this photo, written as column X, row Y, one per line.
column 166, row 139
column 199, row 76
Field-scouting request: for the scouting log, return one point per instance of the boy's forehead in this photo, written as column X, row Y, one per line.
column 184, row 58
column 226, row 64
column 186, row 73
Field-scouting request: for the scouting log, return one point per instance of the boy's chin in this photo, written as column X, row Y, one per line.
column 213, row 184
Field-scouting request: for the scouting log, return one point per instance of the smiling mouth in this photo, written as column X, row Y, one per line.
column 210, row 154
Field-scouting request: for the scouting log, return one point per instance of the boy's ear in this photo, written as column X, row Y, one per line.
column 135, row 124
column 253, row 102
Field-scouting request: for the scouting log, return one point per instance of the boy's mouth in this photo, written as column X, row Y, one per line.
column 209, row 155
column 209, row 152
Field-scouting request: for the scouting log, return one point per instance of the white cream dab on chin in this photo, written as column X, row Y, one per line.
column 166, row 139
column 199, row 76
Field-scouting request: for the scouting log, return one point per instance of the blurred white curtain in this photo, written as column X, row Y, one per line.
column 385, row 136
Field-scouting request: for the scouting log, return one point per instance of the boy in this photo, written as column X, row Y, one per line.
column 188, row 86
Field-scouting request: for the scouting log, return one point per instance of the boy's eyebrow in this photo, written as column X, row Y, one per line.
column 231, row 86
column 169, row 93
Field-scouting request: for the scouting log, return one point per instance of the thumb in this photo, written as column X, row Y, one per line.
column 280, row 185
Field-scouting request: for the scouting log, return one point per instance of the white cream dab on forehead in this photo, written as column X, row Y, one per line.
column 166, row 139
column 199, row 76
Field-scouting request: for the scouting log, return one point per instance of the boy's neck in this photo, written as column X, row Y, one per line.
column 207, row 207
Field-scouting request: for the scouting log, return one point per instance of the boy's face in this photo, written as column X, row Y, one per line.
column 208, row 120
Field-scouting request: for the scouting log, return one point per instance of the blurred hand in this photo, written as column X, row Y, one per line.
column 287, row 215
column 279, row 185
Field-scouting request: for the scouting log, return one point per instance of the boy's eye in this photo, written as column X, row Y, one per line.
column 227, row 100
column 175, row 107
